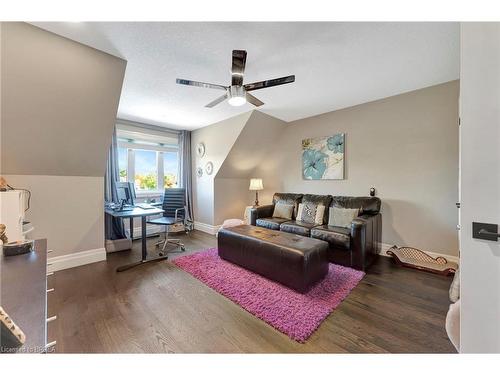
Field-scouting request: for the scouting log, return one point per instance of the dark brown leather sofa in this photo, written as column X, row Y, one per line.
column 354, row 247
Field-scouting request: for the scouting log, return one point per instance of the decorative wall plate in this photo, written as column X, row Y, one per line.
column 199, row 171
column 200, row 149
column 209, row 167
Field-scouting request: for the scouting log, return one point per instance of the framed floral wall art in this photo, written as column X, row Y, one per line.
column 323, row 158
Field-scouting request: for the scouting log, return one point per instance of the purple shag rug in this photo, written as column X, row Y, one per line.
column 296, row 315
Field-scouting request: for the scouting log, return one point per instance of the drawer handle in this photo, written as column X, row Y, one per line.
column 487, row 232
column 50, row 274
column 51, row 319
column 48, row 252
column 50, row 290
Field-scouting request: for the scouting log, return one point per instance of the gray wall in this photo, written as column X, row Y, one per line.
column 256, row 140
column 218, row 138
column 59, row 101
column 67, row 210
column 236, row 146
column 405, row 146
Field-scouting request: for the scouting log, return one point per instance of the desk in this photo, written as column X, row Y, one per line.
column 143, row 214
column 23, row 281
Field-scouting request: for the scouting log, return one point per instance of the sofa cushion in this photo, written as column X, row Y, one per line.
column 342, row 217
column 288, row 198
column 270, row 222
column 324, row 200
column 297, row 227
column 366, row 205
column 283, row 211
column 311, row 213
column 337, row 237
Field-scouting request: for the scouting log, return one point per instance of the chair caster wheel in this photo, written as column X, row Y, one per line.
column 183, row 248
column 160, row 253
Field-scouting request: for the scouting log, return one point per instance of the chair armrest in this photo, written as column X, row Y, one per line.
column 179, row 209
column 260, row 212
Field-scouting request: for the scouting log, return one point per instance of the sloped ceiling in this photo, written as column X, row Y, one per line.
column 252, row 146
column 59, row 101
column 337, row 65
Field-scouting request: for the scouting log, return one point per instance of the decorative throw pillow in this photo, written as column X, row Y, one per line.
column 320, row 214
column 342, row 217
column 455, row 287
column 283, row 211
column 311, row 213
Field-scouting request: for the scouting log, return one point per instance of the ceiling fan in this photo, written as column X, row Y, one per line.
column 238, row 93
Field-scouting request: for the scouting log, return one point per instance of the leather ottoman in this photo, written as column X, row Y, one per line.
column 295, row 261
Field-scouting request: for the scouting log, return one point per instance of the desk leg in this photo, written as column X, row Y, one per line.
column 143, row 239
column 131, row 222
column 144, row 251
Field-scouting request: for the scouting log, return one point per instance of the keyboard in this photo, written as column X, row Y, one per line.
column 144, row 206
column 124, row 209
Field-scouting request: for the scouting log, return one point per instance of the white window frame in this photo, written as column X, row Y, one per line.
column 160, row 150
column 176, row 150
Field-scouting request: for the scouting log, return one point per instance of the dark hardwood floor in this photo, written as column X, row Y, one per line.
column 158, row 308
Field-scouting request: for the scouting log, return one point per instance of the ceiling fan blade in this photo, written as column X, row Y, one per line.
column 220, row 99
column 253, row 100
column 269, row 83
column 200, row 84
column 238, row 68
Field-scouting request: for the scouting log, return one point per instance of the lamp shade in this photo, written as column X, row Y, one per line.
column 256, row 184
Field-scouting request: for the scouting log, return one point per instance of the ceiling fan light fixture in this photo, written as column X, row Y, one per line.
column 237, row 101
column 237, row 96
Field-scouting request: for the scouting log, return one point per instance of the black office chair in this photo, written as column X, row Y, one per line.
column 174, row 205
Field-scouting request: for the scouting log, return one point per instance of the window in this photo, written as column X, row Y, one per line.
column 170, row 169
column 148, row 158
column 122, row 163
column 146, row 170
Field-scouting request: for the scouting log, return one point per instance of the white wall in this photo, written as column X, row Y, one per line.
column 405, row 146
column 480, row 186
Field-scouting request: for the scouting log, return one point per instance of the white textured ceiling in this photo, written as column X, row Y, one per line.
column 336, row 65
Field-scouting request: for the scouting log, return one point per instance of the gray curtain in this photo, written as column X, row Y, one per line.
column 113, row 226
column 186, row 172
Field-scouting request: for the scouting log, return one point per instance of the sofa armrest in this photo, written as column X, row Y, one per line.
column 260, row 212
column 365, row 238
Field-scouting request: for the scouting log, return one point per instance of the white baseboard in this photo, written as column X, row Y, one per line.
column 80, row 258
column 207, row 228
column 385, row 246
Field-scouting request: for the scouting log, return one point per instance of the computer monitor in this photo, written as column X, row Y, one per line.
column 131, row 189
column 125, row 192
column 122, row 194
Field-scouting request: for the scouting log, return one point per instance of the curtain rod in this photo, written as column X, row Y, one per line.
column 147, row 126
